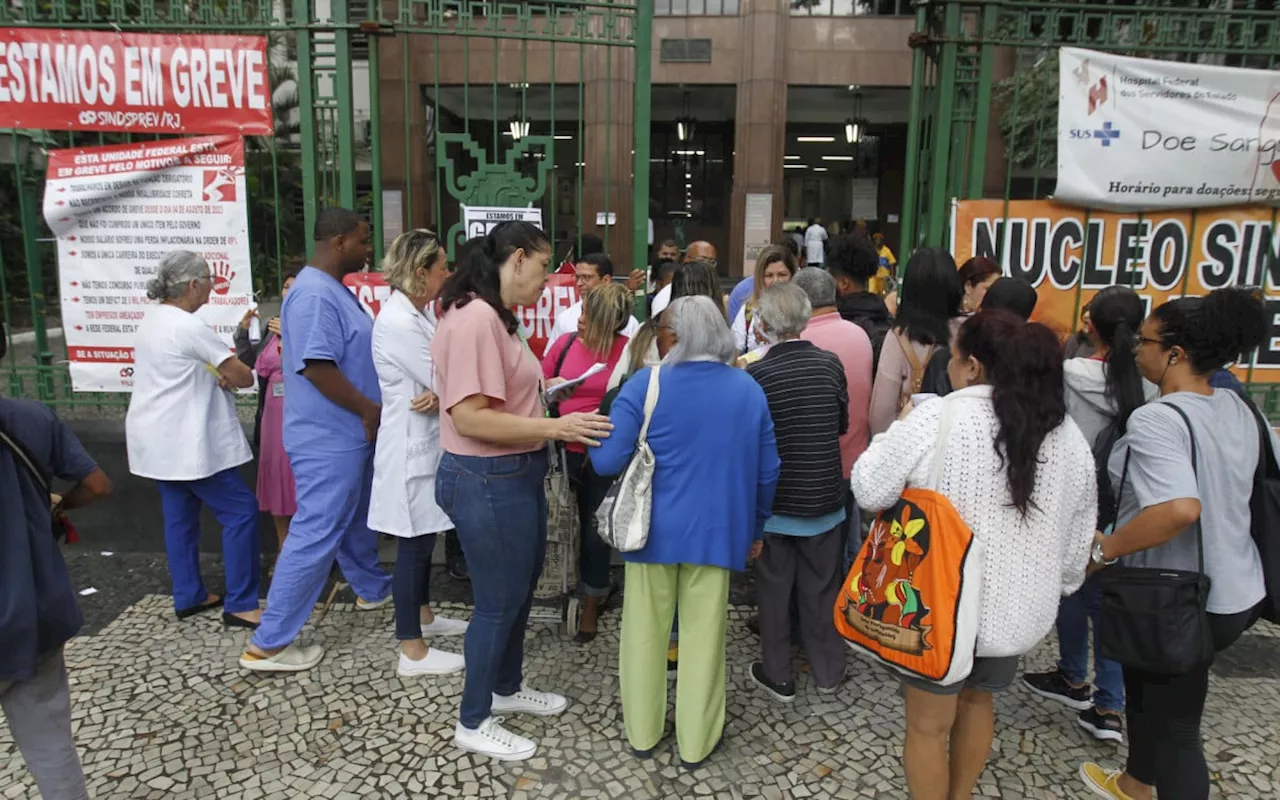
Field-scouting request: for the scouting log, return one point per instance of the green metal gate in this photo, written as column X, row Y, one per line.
column 984, row 93
column 402, row 109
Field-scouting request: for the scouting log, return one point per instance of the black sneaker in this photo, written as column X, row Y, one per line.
column 1055, row 686
column 783, row 692
column 1104, row 727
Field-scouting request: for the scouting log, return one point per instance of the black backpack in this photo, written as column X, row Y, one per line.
column 1108, row 503
column 1265, row 509
column 936, row 380
column 877, row 329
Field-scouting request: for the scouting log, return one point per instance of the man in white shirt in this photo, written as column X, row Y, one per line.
column 815, row 240
column 591, row 271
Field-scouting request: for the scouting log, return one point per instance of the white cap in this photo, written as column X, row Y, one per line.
column 660, row 301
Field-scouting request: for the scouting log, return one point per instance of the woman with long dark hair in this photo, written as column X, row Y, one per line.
column 494, row 430
column 1020, row 475
column 1169, row 505
column 928, row 316
column 1103, row 390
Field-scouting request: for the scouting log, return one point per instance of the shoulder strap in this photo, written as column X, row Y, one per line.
column 573, row 337
column 650, row 401
column 1196, row 471
column 912, row 359
column 23, row 456
column 939, row 450
column 1266, row 456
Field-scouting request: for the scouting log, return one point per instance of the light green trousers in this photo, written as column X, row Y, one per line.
column 652, row 594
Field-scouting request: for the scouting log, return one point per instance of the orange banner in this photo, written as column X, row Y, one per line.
column 1070, row 254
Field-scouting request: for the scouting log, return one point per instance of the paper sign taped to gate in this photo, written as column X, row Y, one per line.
column 116, row 211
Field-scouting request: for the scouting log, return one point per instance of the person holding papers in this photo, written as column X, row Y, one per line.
column 599, row 340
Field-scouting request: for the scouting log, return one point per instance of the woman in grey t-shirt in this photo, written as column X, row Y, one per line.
column 1179, row 348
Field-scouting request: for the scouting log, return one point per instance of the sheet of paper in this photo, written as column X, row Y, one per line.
column 569, row 384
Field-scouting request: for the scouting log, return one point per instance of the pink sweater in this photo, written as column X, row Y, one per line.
column 850, row 344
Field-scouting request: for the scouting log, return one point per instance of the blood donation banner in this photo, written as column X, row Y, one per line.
column 116, row 211
column 1143, row 133
column 1069, row 254
column 537, row 320
column 138, row 82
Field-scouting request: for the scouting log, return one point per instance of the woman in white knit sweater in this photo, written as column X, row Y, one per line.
column 1021, row 476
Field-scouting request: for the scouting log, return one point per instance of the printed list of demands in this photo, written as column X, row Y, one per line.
column 112, row 233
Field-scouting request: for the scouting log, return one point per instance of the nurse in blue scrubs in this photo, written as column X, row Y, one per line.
column 331, row 413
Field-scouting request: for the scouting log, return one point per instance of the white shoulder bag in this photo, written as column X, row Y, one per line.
column 623, row 517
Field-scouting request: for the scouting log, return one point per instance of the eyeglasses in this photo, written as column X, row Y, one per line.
column 1139, row 340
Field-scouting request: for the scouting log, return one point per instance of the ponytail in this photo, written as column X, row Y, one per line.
column 479, row 274
column 1116, row 314
column 1023, row 363
column 1224, row 326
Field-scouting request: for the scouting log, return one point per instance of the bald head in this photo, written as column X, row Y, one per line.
column 699, row 251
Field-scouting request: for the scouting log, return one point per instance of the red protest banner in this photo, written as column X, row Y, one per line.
column 560, row 292
column 139, row 82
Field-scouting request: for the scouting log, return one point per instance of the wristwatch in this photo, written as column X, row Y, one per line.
column 1097, row 558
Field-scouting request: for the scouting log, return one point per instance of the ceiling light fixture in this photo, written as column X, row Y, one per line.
column 686, row 124
column 855, row 127
column 816, row 139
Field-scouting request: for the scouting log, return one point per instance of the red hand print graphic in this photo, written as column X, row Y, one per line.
column 222, row 276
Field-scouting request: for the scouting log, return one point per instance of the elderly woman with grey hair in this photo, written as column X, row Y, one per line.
column 809, row 402
column 182, row 431
column 712, row 490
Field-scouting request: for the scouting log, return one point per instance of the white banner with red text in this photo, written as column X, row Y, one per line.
column 1146, row 134
column 116, row 211
column 138, row 82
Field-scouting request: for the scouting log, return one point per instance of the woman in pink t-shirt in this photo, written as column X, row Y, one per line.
column 598, row 340
column 494, row 430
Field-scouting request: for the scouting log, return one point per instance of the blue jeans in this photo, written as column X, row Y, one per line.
column 1074, row 615
column 331, row 522
column 236, row 510
column 499, row 506
column 411, row 584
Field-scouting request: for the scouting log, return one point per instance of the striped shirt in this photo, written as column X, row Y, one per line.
column 809, row 402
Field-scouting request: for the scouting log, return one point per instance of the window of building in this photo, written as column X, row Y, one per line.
column 851, row 8
column 696, row 8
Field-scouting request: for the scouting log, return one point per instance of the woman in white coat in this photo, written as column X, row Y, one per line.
column 408, row 448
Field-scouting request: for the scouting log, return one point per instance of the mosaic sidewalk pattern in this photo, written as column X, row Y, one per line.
column 162, row 711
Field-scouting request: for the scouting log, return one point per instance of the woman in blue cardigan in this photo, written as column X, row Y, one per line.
column 713, row 489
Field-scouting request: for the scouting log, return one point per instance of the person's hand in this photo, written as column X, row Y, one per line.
column 551, row 383
column 583, row 428
column 371, row 419
column 1090, row 566
column 248, row 315
column 273, row 325
column 757, row 547
column 225, row 383
column 426, row 403
column 635, row 281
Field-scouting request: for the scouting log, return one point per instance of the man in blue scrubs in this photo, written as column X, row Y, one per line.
column 331, row 413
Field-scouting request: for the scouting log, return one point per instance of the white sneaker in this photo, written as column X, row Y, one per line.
column 370, row 605
column 494, row 741
column 435, row 662
column 530, row 701
column 443, row 626
column 294, row 658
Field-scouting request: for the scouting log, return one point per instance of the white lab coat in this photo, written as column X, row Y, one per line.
column 408, row 451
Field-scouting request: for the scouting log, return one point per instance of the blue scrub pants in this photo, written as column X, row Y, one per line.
column 332, row 520
column 500, row 507
column 236, row 510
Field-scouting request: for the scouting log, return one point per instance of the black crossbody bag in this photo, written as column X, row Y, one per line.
column 1155, row 619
